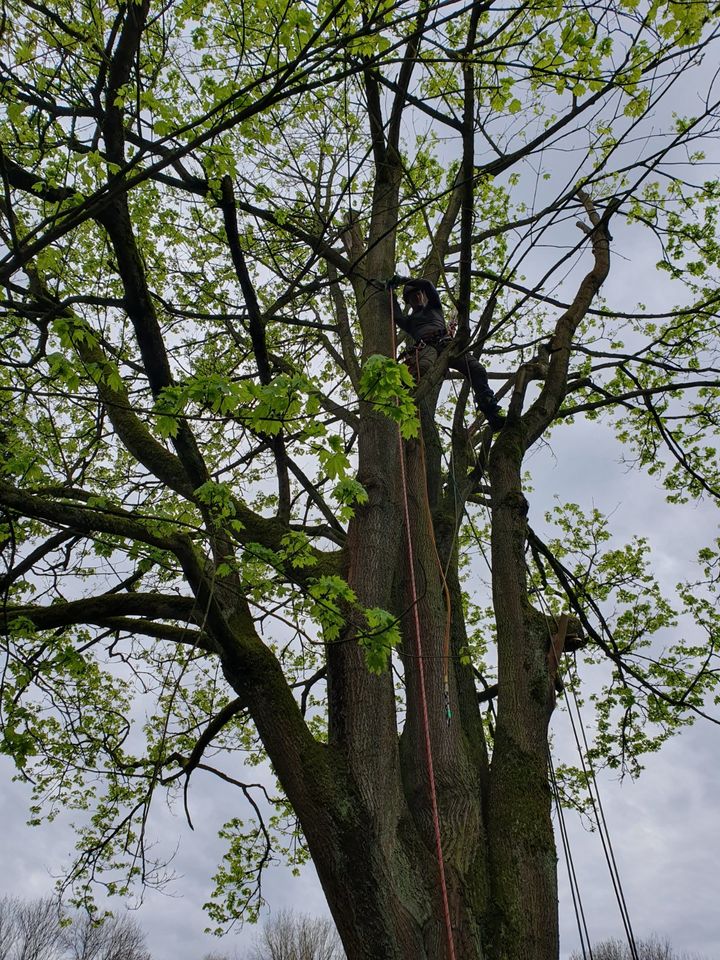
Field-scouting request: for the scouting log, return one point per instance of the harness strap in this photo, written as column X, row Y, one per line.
column 437, row 342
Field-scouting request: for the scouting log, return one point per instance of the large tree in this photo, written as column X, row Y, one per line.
column 233, row 526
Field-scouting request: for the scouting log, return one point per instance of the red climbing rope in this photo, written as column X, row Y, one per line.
column 421, row 681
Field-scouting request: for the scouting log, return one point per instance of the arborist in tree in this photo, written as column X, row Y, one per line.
column 425, row 323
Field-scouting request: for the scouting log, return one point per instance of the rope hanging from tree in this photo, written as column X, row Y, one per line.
column 593, row 792
column 425, row 720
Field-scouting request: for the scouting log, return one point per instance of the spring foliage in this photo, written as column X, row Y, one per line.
column 187, row 357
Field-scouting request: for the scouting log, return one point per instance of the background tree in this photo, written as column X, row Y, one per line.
column 41, row 930
column 654, row 948
column 116, row 938
column 292, row 936
column 30, row 930
column 227, row 510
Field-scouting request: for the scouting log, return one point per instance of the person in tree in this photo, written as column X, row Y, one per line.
column 425, row 323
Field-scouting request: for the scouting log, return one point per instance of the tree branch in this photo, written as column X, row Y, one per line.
column 115, row 522
column 257, row 335
column 24, row 566
column 545, row 408
column 153, row 606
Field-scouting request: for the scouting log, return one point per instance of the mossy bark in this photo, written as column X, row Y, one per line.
column 376, row 851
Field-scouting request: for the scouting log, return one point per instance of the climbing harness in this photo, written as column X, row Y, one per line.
column 421, row 681
column 438, row 342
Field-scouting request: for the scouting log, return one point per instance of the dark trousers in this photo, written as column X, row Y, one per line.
column 471, row 368
column 421, row 358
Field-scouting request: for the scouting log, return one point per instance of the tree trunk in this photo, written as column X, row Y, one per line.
column 521, row 844
column 382, row 875
column 383, row 881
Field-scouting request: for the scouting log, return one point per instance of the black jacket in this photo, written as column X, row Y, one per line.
column 422, row 324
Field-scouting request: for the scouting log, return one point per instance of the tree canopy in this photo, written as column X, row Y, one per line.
column 233, row 526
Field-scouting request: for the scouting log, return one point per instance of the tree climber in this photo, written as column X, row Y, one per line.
column 426, row 325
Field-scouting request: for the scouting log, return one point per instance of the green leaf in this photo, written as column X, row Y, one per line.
column 381, row 638
column 388, row 385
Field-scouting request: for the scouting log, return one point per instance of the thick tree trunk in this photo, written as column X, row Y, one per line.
column 390, row 851
column 496, row 831
column 458, row 776
column 521, row 842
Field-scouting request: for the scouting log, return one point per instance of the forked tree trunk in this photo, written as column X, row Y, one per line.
column 376, row 853
column 380, row 870
column 364, row 800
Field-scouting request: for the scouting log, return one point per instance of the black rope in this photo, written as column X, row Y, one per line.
column 602, row 824
column 570, row 864
column 598, row 811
